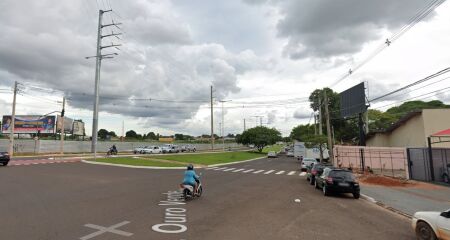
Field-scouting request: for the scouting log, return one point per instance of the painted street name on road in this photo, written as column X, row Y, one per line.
column 174, row 215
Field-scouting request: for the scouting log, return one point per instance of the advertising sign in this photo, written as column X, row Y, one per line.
column 67, row 124
column 29, row 124
column 78, row 128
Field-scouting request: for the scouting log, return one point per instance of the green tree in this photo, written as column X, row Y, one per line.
column 131, row 134
column 152, row 136
column 319, row 141
column 112, row 134
column 179, row 136
column 260, row 137
column 102, row 133
column 301, row 131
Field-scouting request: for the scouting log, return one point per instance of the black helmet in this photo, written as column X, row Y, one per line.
column 190, row 167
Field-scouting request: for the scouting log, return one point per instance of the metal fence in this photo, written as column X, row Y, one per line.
column 436, row 170
column 378, row 160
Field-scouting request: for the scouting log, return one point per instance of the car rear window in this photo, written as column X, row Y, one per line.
column 342, row 174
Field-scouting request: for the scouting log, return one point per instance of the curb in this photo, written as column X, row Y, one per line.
column 130, row 166
column 381, row 204
column 224, row 164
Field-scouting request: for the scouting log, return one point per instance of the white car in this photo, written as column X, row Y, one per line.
column 139, row 149
column 308, row 162
column 432, row 225
column 290, row 154
column 271, row 154
column 152, row 149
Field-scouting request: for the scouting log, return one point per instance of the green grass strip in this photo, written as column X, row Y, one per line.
column 211, row 158
column 137, row 162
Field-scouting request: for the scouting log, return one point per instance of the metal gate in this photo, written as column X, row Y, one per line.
column 423, row 169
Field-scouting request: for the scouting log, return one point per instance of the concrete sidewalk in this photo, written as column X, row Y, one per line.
column 408, row 200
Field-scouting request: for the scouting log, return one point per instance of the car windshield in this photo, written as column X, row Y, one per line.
column 342, row 175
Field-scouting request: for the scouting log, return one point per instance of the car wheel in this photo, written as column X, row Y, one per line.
column 356, row 195
column 325, row 191
column 311, row 181
column 425, row 232
column 316, row 185
column 307, row 178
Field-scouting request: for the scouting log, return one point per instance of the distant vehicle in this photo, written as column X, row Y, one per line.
column 432, row 225
column 290, row 153
column 188, row 148
column 299, row 149
column 169, row 148
column 272, row 154
column 111, row 151
column 139, row 149
column 151, row 150
column 337, row 181
column 315, row 170
column 4, row 158
column 307, row 162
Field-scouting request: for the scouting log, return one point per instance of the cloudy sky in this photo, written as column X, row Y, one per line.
column 266, row 56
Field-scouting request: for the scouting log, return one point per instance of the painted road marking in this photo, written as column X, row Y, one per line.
column 212, row 167
column 302, row 174
column 259, row 171
column 111, row 229
column 222, row 168
column 270, row 171
column 291, row 173
column 247, row 171
column 239, row 170
column 280, row 172
column 229, row 169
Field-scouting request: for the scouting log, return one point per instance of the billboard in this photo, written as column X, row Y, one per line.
column 78, row 128
column 29, row 124
column 353, row 101
column 67, row 124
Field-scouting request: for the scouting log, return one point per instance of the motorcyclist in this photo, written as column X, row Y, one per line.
column 191, row 178
column 114, row 148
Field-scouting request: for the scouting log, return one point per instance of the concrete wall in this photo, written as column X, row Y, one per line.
column 51, row 146
column 436, row 120
column 409, row 134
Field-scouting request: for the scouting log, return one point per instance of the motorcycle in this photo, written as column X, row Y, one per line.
column 188, row 190
column 111, row 151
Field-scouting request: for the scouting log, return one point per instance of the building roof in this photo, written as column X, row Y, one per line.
column 397, row 124
column 443, row 133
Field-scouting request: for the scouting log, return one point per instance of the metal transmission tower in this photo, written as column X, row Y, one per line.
column 99, row 56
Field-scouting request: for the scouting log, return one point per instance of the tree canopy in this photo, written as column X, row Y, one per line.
column 259, row 136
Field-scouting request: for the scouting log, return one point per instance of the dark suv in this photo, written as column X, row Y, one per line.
column 4, row 158
column 315, row 171
column 334, row 180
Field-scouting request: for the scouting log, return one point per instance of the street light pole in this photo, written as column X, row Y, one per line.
column 223, row 125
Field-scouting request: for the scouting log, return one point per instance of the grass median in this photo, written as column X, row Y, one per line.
column 180, row 160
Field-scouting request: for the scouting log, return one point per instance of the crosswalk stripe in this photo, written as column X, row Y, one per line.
column 302, row 174
column 270, row 171
column 239, row 170
column 246, row 171
column 222, row 168
column 211, row 167
column 229, row 169
column 291, row 173
column 280, row 172
column 259, row 171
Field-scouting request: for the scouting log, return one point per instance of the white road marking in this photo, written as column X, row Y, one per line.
column 212, row 167
column 297, row 200
column 102, row 230
column 222, row 168
column 270, row 171
column 302, row 174
column 229, row 169
column 239, row 170
column 259, row 171
column 291, row 173
column 246, row 171
column 35, row 163
column 280, row 172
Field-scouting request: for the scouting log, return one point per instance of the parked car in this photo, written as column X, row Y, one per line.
column 335, row 180
column 307, row 162
column 272, row 154
column 139, row 149
column 290, row 153
column 169, row 148
column 188, row 148
column 4, row 158
column 315, row 170
column 151, row 150
column 432, row 225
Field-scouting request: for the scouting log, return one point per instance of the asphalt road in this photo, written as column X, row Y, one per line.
column 84, row 201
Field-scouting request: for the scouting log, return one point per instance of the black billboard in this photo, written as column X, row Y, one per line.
column 353, row 101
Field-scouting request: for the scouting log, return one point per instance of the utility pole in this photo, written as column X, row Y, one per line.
column 223, row 125
column 260, row 121
column 244, row 125
column 212, row 119
column 61, row 147
column 315, row 124
column 329, row 133
column 13, row 118
column 98, row 64
column 123, row 130
column 320, row 115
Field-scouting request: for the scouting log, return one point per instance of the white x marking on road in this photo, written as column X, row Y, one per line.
column 102, row 230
